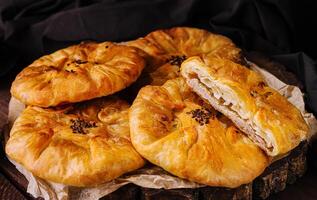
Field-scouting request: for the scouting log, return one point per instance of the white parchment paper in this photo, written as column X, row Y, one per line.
column 150, row 177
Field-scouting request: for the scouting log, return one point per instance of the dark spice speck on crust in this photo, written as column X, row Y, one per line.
column 201, row 115
column 253, row 93
column 80, row 61
column 176, row 60
column 78, row 125
column 261, row 84
column 70, row 71
column 267, row 94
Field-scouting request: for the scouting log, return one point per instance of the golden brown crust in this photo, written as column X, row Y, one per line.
column 166, row 49
column 78, row 73
column 81, row 145
column 240, row 93
column 174, row 129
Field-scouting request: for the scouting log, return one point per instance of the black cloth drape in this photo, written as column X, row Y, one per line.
column 284, row 30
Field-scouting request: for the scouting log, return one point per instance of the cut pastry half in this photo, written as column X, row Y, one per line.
column 81, row 145
column 241, row 94
column 78, row 73
column 175, row 129
column 166, row 49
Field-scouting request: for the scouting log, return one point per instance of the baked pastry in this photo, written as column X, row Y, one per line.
column 167, row 49
column 173, row 128
column 77, row 73
column 241, row 94
column 80, row 145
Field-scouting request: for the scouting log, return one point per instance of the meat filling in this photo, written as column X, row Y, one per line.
column 214, row 95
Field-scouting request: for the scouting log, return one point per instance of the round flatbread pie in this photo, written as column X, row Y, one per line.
column 84, row 144
column 174, row 129
column 77, row 73
column 167, row 49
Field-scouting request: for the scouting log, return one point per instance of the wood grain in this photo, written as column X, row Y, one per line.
column 10, row 172
column 12, row 183
column 4, row 100
column 8, row 191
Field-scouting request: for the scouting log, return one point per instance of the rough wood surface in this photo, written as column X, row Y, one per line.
column 9, row 171
column 8, row 191
column 4, row 100
column 274, row 179
column 128, row 192
column 12, row 184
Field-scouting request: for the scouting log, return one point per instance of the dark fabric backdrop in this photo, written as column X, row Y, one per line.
column 283, row 29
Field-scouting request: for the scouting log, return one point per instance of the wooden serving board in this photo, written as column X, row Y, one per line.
column 274, row 179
